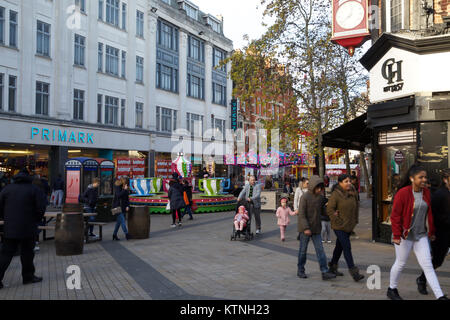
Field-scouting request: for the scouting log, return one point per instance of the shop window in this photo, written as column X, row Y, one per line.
column 434, row 153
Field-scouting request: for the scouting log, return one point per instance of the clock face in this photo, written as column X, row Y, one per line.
column 350, row 15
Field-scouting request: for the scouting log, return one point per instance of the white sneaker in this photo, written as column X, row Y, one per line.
column 258, row 231
column 173, row 225
column 36, row 249
column 329, row 241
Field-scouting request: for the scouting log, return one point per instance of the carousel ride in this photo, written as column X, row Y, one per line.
column 152, row 192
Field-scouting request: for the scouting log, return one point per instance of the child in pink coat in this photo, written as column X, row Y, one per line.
column 283, row 214
column 241, row 218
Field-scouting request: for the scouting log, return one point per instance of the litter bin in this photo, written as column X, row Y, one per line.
column 69, row 234
column 139, row 222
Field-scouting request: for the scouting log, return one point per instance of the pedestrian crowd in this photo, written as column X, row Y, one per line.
column 420, row 220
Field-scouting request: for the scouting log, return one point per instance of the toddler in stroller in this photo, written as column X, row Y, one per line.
column 241, row 224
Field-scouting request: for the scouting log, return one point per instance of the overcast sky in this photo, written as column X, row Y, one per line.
column 240, row 17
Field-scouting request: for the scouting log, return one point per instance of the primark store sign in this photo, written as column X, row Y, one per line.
column 61, row 135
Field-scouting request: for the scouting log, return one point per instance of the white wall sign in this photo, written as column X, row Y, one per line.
column 403, row 73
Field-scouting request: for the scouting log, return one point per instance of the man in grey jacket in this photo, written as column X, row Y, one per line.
column 252, row 194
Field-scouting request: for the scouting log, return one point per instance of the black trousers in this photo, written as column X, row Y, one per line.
column 9, row 247
column 176, row 212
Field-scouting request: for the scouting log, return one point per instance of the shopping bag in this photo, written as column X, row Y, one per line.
column 168, row 206
column 52, row 197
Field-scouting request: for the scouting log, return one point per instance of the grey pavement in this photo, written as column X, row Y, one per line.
column 198, row 261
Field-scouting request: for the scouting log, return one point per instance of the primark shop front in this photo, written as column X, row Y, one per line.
column 408, row 119
column 46, row 144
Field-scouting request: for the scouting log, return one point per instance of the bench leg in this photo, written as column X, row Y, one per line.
column 100, row 228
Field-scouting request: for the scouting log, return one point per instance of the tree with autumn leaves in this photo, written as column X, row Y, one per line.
column 260, row 79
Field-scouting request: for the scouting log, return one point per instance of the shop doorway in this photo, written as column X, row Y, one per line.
column 397, row 152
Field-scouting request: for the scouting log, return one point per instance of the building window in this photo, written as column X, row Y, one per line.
column 100, row 57
column 2, row 85
column 219, row 128
column 166, row 78
column 166, row 119
column 2, row 25
column 42, row 98
column 196, row 49
column 139, row 69
column 81, row 4
column 43, row 38
column 122, row 112
column 112, row 60
column 215, row 26
column 139, row 23
column 167, row 36
column 78, row 104
column 166, row 1
column 99, row 108
column 219, row 94
column 12, row 89
column 191, row 11
column 79, row 49
column 124, row 63
column 124, row 16
column 13, row 29
column 100, row 9
column 139, row 114
column 112, row 12
column 396, row 15
column 194, row 124
column 111, row 110
column 195, row 87
column 218, row 56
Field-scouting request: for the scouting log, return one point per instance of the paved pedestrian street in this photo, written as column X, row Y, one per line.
column 198, row 261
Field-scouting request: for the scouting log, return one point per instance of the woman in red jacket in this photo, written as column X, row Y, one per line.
column 410, row 213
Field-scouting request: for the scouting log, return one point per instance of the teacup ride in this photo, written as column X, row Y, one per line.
column 208, row 202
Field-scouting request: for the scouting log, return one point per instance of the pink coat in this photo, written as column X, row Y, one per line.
column 283, row 215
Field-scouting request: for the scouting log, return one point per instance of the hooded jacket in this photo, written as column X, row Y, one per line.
column 121, row 198
column 91, row 196
column 346, row 203
column 22, row 207
column 311, row 207
column 176, row 196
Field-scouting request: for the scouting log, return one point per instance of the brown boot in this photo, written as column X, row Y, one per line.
column 354, row 272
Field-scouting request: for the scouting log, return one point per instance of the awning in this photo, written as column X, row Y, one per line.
column 353, row 135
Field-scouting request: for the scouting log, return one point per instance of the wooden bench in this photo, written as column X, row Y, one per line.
column 100, row 230
column 44, row 232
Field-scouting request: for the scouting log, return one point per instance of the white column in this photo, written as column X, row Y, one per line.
column 182, row 78
column 150, row 33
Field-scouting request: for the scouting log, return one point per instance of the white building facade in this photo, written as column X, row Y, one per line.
column 108, row 78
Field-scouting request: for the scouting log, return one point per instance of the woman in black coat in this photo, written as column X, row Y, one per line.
column 176, row 199
column 121, row 199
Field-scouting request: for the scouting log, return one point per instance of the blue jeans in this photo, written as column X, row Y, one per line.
column 90, row 219
column 188, row 210
column 321, row 257
column 343, row 245
column 120, row 223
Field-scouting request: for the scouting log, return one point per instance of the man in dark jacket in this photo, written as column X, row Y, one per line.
column 91, row 197
column 310, row 227
column 176, row 199
column 440, row 206
column 22, row 206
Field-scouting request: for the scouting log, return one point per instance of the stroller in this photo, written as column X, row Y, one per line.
column 246, row 232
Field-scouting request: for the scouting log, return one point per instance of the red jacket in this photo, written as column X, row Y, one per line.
column 403, row 211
